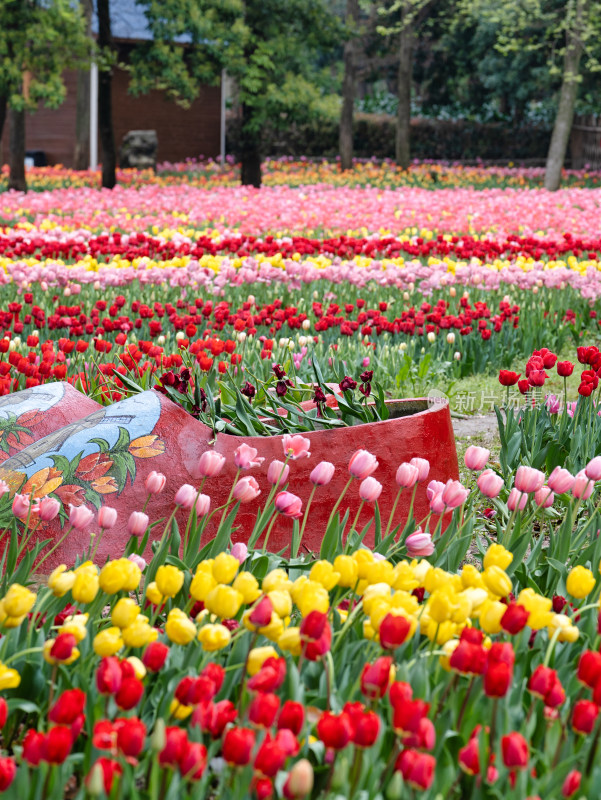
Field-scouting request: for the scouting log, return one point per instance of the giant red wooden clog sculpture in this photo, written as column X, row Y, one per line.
column 105, row 457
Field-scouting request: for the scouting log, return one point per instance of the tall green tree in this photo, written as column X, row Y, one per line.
column 569, row 33
column 39, row 39
column 270, row 48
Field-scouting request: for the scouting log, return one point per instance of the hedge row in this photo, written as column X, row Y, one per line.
column 374, row 136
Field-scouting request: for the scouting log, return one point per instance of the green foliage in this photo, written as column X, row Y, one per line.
column 273, row 49
column 38, row 41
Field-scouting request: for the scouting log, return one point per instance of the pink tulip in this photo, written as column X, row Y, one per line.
column 362, row 464
column 423, row 467
column 434, row 488
column 454, row 494
column 138, row 561
column 21, row 505
column 277, row 472
column 210, row 464
column 47, row 508
column 476, row 457
column 560, row 480
column 322, row 474
column 203, row 504
column 4, row 488
column 155, row 482
column 517, row 500
column 544, row 497
column 528, row 479
column 245, row 457
column 246, row 490
column 185, row 496
column 107, row 517
column 370, row 489
column 489, row 483
column 80, row 517
column 583, row 487
column 240, row 552
column 288, row 504
column 593, row 469
column 437, row 505
column 407, row 476
column 296, row 447
column 419, row 544
column 137, row 523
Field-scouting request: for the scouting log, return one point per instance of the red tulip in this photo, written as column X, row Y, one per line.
column 270, row 677
column 584, row 716
column 375, row 678
column 176, row 744
column 497, row 679
column 263, row 709
column 130, row 693
column 56, row 745
column 514, row 749
column 469, row 757
column 407, row 715
column 400, row 692
column 508, row 378
column 260, row 615
column 193, row 761
column 8, row 770
column 571, row 783
column 313, row 625
column 238, row 744
column 335, row 731
column 3, row 712
column 417, row 768
column 32, row 747
column 589, row 668
column 63, row 646
column 565, row 368
column 271, row 757
column 131, row 733
column 468, row 658
column 68, row 706
column 154, row 656
column 109, row 675
column 515, row 618
column 292, row 717
column 394, row 630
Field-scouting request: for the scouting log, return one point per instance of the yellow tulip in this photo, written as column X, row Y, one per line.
column 139, row 633
column 491, row 613
column 290, row 641
column 179, row 627
column 18, row 601
column 108, row 642
column 313, row 597
column 153, row 595
column 114, row 575
column 86, row 584
column 323, row 572
column 247, row 585
column 214, row 637
column 125, row 612
column 169, row 580
column 225, row 567
column 497, row 556
column 61, row 580
column 276, row 579
column 580, row 582
column 224, row 601
column 9, row 678
column 202, row 583
column 497, row 581
column 348, row 571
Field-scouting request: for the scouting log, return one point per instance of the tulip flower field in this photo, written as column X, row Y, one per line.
column 460, row 655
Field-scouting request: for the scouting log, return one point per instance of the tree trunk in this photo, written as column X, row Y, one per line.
column 3, row 107
column 105, row 106
column 567, row 100
column 81, row 156
column 403, row 119
column 250, row 151
column 345, row 137
column 16, row 148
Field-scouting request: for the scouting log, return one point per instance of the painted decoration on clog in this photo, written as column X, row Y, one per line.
column 30, row 414
column 92, row 457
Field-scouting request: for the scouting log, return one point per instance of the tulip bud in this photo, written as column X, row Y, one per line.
column 155, row 482
column 185, row 496
column 300, row 780
column 95, row 781
column 137, row 523
column 107, row 517
column 340, row 776
column 158, row 737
